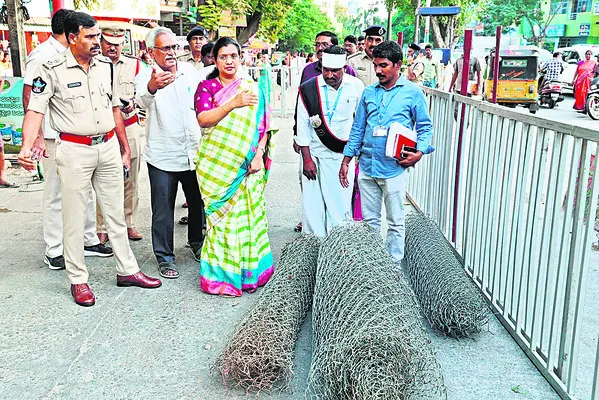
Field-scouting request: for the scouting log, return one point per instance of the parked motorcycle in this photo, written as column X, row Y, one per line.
column 592, row 104
column 550, row 93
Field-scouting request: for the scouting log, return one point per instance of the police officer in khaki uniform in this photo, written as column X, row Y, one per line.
column 362, row 62
column 83, row 98
column 125, row 70
column 197, row 38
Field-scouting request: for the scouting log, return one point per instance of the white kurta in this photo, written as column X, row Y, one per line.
column 326, row 203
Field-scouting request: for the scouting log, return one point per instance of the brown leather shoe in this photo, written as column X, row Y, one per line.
column 139, row 279
column 103, row 236
column 134, row 234
column 83, row 295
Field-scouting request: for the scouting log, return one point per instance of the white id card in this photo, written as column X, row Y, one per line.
column 379, row 131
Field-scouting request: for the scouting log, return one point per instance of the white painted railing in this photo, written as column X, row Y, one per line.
column 282, row 95
column 524, row 215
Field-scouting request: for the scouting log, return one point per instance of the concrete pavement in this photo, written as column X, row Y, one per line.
column 159, row 344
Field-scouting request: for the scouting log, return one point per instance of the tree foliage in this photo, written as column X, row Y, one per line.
column 263, row 16
column 89, row 4
column 509, row 13
column 355, row 24
column 301, row 24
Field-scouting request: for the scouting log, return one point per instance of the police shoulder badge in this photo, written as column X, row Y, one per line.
column 38, row 85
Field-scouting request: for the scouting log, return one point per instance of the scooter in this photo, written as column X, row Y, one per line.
column 592, row 104
column 550, row 93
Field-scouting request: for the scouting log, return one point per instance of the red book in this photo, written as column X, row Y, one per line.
column 399, row 138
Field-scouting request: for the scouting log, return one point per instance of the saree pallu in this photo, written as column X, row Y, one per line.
column 236, row 255
column 585, row 72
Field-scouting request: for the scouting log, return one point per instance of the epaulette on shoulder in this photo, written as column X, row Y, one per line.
column 55, row 61
column 131, row 57
column 103, row 59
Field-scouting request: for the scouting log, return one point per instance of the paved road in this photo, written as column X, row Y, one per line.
column 564, row 113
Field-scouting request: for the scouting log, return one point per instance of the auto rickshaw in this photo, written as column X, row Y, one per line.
column 517, row 84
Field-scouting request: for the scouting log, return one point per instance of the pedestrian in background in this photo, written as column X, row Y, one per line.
column 362, row 62
column 382, row 179
column 232, row 172
column 432, row 68
column 350, row 44
column 125, row 70
column 361, row 45
column 582, row 81
column 166, row 92
column 78, row 87
column 44, row 149
column 415, row 68
column 197, row 38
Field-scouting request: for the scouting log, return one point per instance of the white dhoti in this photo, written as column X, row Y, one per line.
column 326, row 203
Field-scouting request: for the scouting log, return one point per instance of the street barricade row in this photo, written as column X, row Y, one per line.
column 516, row 197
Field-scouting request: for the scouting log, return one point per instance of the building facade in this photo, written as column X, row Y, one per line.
column 575, row 22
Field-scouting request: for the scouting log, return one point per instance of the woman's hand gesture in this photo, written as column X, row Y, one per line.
column 244, row 98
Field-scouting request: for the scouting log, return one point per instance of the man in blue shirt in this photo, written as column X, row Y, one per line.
column 382, row 179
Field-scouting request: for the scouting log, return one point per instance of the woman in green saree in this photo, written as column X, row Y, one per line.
column 232, row 170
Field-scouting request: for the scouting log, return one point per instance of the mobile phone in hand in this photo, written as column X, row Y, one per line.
column 126, row 172
column 125, row 102
column 407, row 148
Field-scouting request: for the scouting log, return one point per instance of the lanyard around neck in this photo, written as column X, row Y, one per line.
column 381, row 107
column 330, row 112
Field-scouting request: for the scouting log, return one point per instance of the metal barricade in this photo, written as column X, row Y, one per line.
column 279, row 84
column 516, row 194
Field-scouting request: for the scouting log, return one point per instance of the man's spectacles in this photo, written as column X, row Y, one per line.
column 323, row 45
column 168, row 49
column 224, row 58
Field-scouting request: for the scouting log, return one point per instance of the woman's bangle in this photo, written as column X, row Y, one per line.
column 224, row 109
column 346, row 164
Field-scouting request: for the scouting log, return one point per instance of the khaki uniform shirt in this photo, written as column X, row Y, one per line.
column 125, row 70
column 189, row 59
column 364, row 68
column 80, row 102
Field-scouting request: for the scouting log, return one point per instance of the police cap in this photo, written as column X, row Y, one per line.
column 414, row 47
column 197, row 31
column 113, row 34
column 375, row 30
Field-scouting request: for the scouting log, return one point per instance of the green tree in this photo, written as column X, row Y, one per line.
column 301, row 25
column 509, row 13
column 263, row 16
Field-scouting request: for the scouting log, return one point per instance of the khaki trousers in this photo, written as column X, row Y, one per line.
column 101, row 166
column 52, row 208
column 131, row 185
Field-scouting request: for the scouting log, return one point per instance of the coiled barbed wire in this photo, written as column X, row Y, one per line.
column 449, row 299
column 259, row 355
column 368, row 336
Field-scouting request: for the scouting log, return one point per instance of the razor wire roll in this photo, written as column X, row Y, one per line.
column 259, row 355
column 449, row 299
column 369, row 341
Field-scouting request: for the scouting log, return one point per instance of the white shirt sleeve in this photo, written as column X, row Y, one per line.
column 142, row 96
column 304, row 129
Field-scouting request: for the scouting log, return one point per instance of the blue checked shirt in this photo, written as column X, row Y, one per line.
column 554, row 69
column 403, row 103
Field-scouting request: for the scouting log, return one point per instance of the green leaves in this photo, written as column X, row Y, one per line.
column 301, row 24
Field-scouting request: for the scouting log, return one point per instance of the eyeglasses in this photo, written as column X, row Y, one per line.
column 323, row 45
column 168, row 49
column 224, row 58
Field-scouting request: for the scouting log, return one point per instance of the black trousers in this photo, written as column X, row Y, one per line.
column 163, row 190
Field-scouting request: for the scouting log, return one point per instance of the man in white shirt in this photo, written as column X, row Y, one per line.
column 44, row 148
column 324, row 119
column 167, row 92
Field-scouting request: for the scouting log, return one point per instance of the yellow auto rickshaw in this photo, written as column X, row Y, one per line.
column 517, row 83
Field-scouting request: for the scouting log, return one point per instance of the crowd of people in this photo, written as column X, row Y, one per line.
column 207, row 128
